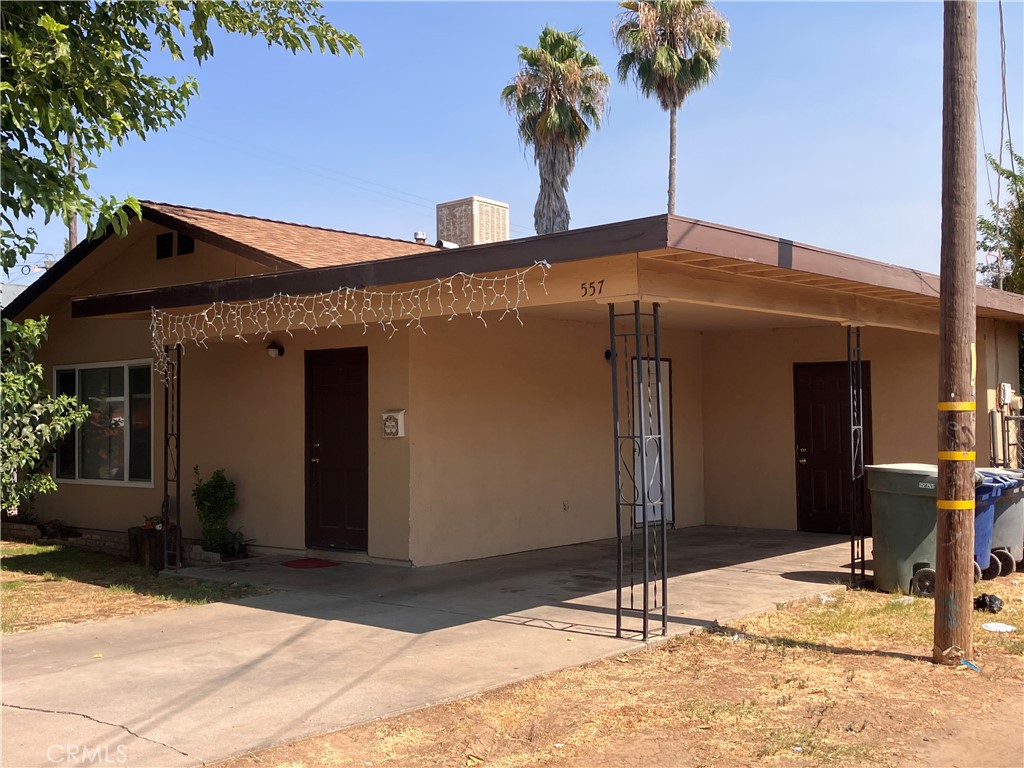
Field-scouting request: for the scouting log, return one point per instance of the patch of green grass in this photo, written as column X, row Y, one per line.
column 9, row 547
column 814, row 744
column 9, row 586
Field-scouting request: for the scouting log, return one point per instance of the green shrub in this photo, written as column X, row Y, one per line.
column 215, row 501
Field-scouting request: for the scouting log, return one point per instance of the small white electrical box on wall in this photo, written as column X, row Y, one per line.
column 394, row 423
column 1005, row 394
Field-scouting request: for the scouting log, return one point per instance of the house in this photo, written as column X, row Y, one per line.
column 413, row 404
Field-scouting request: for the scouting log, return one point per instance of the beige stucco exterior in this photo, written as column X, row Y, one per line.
column 508, row 444
column 749, row 419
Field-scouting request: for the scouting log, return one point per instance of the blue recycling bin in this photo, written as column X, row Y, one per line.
column 1008, row 523
column 986, row 495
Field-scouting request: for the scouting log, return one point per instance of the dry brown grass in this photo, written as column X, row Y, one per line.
column 843, row 683
column 51, row 586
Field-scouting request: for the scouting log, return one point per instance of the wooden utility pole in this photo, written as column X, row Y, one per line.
column 954, row 567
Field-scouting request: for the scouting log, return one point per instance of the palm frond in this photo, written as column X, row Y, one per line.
column 670, row 48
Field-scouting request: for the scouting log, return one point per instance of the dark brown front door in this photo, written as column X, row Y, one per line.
column 822, row 405
column 337, row 463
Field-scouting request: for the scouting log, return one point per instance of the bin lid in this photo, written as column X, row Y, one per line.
column 1012, row 479
column 905, row 469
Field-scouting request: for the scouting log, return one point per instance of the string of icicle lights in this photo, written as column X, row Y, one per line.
column 460, row 294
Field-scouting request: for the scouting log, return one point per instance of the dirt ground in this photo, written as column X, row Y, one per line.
column 846, row 682
column 51, row 586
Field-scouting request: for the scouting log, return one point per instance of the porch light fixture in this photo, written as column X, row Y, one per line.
column 275, row 350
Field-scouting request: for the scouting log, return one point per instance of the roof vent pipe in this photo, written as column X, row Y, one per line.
column 446, row 244
column 420, row 237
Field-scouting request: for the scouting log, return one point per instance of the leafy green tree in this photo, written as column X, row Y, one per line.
column 558, row 97
column 1001, row 233
column 670, row 48
column 74, row 81
column 33, row 421
column 73, row 84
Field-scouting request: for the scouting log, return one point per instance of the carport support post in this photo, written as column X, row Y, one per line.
column 954, row 567
column 855, row 373
column 641, row 475
column 613, row 358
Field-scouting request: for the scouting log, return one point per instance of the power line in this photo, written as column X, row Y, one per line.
column 365, row 185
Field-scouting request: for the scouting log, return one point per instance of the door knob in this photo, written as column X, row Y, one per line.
column 799, row 461
column 314, row 461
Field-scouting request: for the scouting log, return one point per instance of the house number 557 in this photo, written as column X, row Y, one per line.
column 593, row 288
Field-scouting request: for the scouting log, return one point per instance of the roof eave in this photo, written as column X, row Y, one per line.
column 636, row 235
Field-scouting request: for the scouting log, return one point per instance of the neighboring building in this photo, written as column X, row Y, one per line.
column 8, row 292
column 473, row 438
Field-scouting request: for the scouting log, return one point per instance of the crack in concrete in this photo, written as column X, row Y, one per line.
column 104, row 722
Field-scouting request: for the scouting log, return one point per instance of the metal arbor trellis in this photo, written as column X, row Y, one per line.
column 858, row 523
column 641, row 517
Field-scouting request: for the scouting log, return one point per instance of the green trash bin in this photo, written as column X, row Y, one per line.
column 902, row 522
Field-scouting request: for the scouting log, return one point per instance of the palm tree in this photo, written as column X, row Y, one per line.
column 558, row 96
column 670, row 48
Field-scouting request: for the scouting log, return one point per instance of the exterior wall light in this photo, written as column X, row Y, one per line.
column 275, row 350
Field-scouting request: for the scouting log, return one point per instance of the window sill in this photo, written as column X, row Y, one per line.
column 107, row 483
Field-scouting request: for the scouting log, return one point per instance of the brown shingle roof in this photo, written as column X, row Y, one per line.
column 280, row 242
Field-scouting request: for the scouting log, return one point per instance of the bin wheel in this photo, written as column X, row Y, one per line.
column 977, row 572
column 1006, row 564
column 992, row 570
column 923, row 582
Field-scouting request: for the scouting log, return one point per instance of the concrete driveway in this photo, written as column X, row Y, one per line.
column 354, row 642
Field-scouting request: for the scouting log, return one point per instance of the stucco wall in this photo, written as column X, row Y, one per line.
column 241, row 410
column 749, row 431
column 997, row 363
column 511, row 436
column 244, row 412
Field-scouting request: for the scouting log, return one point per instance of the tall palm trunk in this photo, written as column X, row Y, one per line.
column 551, row 213
column 672, row 161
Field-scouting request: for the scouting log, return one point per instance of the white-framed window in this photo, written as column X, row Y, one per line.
column 114, row 446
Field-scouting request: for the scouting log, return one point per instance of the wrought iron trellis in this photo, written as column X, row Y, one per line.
column 858, row 556
column 637, row 415
column 170, row 510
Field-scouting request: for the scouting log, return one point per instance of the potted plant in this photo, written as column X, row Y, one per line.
column 215, row 500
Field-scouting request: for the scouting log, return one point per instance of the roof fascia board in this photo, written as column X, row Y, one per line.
column 65, row 264
column 633, row 236
column 752, row 247
column 74, row 257
column 716, row 240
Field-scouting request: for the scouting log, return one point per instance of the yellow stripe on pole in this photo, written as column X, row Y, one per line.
column 951, row 504
column 958, row 406
column 956, row 455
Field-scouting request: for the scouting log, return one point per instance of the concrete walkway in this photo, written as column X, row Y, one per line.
column 354, row 642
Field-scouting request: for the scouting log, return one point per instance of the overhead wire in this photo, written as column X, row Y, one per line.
column 357, row 182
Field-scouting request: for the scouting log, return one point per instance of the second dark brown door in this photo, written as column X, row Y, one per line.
column 337, row 460
column 822, row 405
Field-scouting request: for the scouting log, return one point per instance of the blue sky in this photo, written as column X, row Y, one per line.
column 823, row 125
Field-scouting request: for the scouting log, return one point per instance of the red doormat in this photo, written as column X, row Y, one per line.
column 308, row 562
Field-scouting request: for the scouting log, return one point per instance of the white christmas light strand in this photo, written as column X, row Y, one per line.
column 461, row 293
